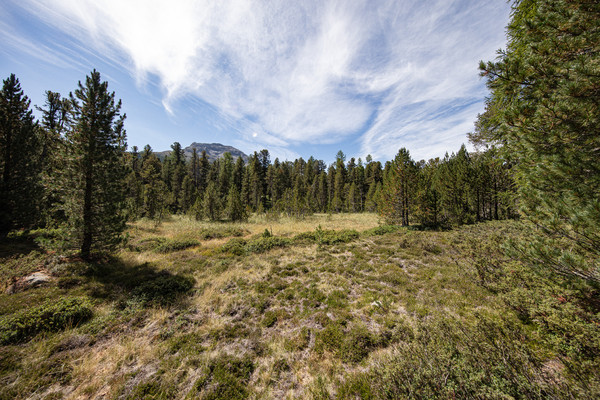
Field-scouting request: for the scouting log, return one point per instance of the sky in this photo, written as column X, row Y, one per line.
column 299, row 78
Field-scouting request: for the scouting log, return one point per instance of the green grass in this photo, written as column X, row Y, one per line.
column 327, row 308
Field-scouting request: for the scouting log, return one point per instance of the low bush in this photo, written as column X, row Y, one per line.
column 269, row 319
column 261, row 244
column 327, row 236
column 382, row 230
column 215, row 233
column 171, row 245
column 225, row 378
column 163, row 245
column 49, row 317
column 163, row 289
column 450, row 359
column 266, row 243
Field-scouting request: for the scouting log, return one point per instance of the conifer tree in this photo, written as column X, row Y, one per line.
column 544, row 112
column 176, row 167
column 95, row 168
column 234, row 210
column 56, row 119
column 20, row 192
column 155, row 190
column 135, row 199
column 399, row 189
column 211, row 204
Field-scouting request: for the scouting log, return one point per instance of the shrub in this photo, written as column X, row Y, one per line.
column 451, row 359
column 151, row 390
column 226, row 378
column 382, row 230
column 49, row 317
column 357, row 345
column 269, row 319
column 236, row 246
column 207, row 234
column 266, row 243
column 330, row 338
column 163, row 289
column 171, row 245
column 326, row 236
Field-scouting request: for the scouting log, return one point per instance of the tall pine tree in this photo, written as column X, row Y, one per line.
column 94, row 179
column 544, row 112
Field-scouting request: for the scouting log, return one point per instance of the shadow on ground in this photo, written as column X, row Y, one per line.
column 114, row 280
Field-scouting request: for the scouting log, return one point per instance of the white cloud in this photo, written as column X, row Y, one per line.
column 285, row 73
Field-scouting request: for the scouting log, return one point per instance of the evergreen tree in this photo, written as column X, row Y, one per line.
column 428, row 198
column 56, row 119
column 95, row 168
column 188, row 194
column 234, row 210
column 155, row 190
column 135, row 199
column 20, row 192
column 176, row 167
column 399, row 189
column 211, row 204
column 544, row 112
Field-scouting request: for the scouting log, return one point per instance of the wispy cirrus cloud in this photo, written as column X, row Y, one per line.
column 392, row 73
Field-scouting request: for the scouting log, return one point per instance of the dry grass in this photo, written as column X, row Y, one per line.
column 306, row 317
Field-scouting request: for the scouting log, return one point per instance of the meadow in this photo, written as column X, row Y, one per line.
column 325, row 307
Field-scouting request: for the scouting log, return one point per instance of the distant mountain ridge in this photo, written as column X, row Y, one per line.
column 213, row 151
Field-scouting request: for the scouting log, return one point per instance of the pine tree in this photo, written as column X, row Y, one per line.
column 95, row 168
column 155, row 190
column 135, row 199
column 20, row 192
column 211, row 203
column 56, row 119
column 544, row 112
column 234, row 210
column 176, row 162
column 398, row 192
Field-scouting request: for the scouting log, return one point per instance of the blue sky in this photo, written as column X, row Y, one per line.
column 299, row 78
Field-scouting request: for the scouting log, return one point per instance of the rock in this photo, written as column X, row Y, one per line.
column 30, row 281
column 36, row 279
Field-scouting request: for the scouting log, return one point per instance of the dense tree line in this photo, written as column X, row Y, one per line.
column 460, row 188
column 70, row 170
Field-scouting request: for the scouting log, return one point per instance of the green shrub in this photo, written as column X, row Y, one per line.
column 236, row 246
column 266, row 243
column 151, row 390
column 163, row 289
column 171, row 245
column 225, row 378
column 450, row 359
column 382, row 230
column 148, row 244
column 214, row 233
column 330, row 338
column 269, row 319
column 326, row 236
column 49, row 317
column 260, row 244
column 163, row 245
column 337, row 299
column 357, row 345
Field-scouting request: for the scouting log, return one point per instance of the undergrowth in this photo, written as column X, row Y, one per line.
column 222, row 311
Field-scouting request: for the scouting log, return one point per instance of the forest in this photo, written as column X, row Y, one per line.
column 474, row 275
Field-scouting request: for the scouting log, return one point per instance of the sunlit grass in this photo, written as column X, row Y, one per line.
column 309, row 319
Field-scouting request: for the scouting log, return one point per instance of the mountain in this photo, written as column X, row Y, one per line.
column 213, row 151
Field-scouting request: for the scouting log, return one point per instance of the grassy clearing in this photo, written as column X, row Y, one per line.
column 327, row 307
